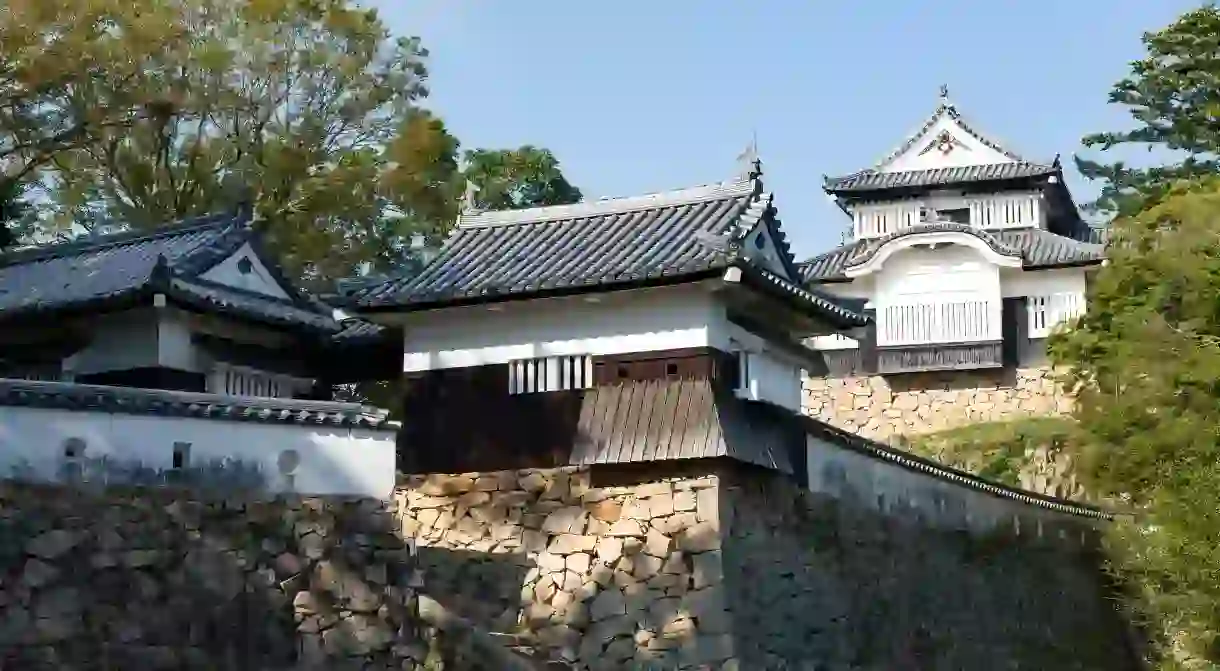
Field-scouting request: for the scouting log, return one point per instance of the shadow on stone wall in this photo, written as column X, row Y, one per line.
column 612, row 574
column 154, row 579
column 815, row 577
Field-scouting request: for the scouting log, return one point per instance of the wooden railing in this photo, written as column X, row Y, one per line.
column 554, row 373
column 931, row 323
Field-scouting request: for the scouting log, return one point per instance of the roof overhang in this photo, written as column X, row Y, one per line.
column 802, row 312
column 874, row 262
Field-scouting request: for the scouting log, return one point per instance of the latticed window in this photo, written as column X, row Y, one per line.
column 552, row 373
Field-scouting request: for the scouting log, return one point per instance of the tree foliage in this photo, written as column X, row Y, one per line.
column 308, row 111
column 1145, row 368
column 511, row 179
column 1173, row 94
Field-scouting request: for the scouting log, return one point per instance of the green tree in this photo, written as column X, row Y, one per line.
column 1145, row 369
column 307, row 110
column 511, row 179
column 285, row 105
column 1173, row 94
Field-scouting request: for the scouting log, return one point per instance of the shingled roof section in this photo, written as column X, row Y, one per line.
column 129, row 267
column 1039, row 249
column 664, row 238
column 165, row 403
column 872, row 180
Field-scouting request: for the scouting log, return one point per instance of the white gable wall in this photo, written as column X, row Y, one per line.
column 258, row 280
column 966, row 150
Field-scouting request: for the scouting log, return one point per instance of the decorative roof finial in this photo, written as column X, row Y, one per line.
column 748, row 161
column 944, row 93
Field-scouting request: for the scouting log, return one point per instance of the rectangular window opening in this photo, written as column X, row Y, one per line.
column 555, row 373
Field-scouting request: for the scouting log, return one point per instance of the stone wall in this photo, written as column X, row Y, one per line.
column 155, row 579
column 840, row 582
column 720, row 567
column 611, row 576
column 882, row 408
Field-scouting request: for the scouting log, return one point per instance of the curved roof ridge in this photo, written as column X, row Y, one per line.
column 990, row 240
column 620, row 205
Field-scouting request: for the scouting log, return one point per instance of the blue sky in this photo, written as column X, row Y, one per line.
column 636, row 96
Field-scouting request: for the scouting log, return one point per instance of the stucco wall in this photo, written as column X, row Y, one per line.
column 330, row 460
column 882, row 408
column 717, row 567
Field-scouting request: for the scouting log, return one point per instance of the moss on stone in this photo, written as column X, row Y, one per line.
column 1000, row 451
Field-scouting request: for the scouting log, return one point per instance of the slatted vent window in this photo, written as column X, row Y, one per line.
column 1049, row 310
column 552, row 373
column 241, row 381
column 932, row 323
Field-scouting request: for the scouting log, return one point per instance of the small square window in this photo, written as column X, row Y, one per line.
column 671, row 369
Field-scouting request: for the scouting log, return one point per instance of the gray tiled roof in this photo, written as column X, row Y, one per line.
column 133, row 265
column 872, row 180
column 132, row 401
column 1038, row 249
column 674, row 236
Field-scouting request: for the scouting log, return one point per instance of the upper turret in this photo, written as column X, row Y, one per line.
column 959, row 173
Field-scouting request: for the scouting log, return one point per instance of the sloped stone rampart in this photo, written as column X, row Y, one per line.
column 733, row 568
column 882, row 408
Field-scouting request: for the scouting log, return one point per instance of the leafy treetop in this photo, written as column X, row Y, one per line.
column 1173, row 94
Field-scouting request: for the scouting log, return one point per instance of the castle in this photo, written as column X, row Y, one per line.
column 606, row 447
column 968, row 256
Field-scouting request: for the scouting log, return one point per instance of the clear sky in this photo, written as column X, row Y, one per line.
column 636, row 96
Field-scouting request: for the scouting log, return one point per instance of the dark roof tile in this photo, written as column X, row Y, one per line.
column 671, row 236
column 131, row 401
column 1038, row 249
column 97, row 270
column 873, row 180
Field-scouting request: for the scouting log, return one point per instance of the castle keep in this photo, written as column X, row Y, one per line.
column 966, row 255
column 605, row 455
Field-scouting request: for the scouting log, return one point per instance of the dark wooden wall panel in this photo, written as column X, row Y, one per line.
column 464, row 419
column 703, row 363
